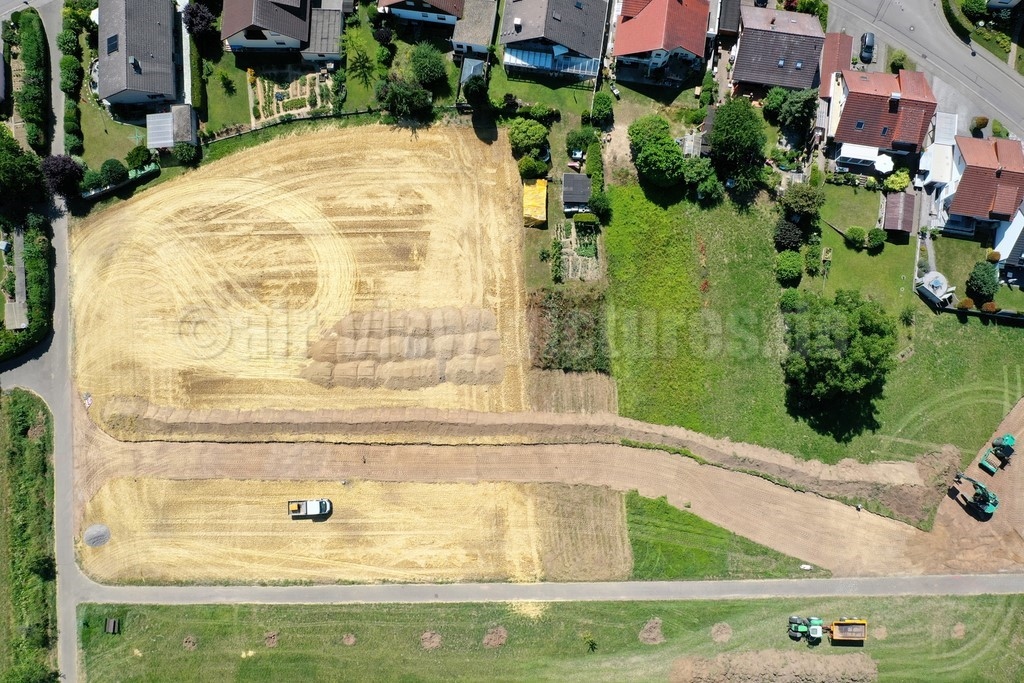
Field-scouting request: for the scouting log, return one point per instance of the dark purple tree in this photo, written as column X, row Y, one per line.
column 198, row 18
column 62, row 174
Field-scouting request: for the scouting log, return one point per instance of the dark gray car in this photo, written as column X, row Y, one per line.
column 867, row 47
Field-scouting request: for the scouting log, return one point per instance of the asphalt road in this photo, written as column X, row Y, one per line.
column 919, row 27
column 46, row 371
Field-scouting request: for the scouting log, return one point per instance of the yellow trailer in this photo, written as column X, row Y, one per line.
column 850, row 630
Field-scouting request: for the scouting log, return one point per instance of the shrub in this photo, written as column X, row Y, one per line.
column 529, row 167
column 198, row 84
column 978, row 123
column 385, row 56
column 788, row 236
column 983, row 282
column 708, row 89
column 907, row 316
column 73, row 144
column 601, row 113
column 993, row 256
column 384, row 35
column 695, row 117
column 557, row 269
column 962, row 32
column 897, row 182
column 803, row 200
column 185, row 154
column 428, row 66
column 876, row 239
column 113, row 172
column 965, row 304
column 67, row 43
column 35, row 136
column 812, row 260
column 999, row 130
column 138, row 157
column 580, row 138
column 792, row 301
column 601, row 206
column 311, row 99
column 897, row 61
column 772, row 103
column 855, row 236
column 91, row 180
column 974, row 9
column 32, row 100
column 789, row 267
column 526, row 136
column 990, row 307
column 70, row 75
column 72, row 127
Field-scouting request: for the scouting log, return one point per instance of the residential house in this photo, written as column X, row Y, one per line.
column 876, row 115
column 729, row 17
column 136, row 52
column 429, row 11
column 313, row 27
column 985, row 195
column 474, row 30
column 777, row 48
column 996, row 5
column 576, row 189
column 326, row 24
column 836, row 53
column 554, row 36
column 652, row 36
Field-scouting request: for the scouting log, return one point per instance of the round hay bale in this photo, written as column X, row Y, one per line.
column 96, row 535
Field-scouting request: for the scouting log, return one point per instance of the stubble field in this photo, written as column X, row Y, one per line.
column 339, row 269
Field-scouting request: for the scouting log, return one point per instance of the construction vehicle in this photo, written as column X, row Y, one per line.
column 849, row 630
column 809, row 628
column 1002, row 449
column 303, row 509
column 984, row 502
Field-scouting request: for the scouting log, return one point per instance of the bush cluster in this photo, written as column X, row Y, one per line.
column 33, row 100
column 38, row 288
column 855, row 236
column 70, row 75
column 789, row 267
column 601, row 113
column 876, row 239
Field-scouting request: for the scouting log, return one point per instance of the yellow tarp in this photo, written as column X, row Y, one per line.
column 535, row 202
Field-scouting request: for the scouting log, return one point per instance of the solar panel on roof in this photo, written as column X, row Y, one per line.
column 112, row 44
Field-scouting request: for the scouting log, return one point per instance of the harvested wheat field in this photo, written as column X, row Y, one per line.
column 214, row 531
column 358, row 267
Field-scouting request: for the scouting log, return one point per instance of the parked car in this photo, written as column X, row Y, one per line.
column 867, row 47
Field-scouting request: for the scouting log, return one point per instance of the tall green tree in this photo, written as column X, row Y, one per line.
column 983, row 282
column 429, row 66
column 526, row 136
column 20, row 175
column 737, row 143
column 799, row 109
column 661, row 162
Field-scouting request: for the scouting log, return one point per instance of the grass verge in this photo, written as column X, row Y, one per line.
column 545, row 641
column 227, row 106
column 671, row 544
column 28, row 603
column 103, row 138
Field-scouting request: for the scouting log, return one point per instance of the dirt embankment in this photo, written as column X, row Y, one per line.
column 775, row 666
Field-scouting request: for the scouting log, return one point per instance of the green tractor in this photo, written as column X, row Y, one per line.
column 984, row 502
column 1002, row 449
column 809, row 628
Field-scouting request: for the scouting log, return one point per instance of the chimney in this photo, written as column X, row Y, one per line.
column 772, row 22
column 999, row 171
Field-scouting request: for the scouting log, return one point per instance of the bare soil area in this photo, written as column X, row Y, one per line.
column 651, row 633
column 219, row 530
column 495, row 637
column 224, row 289
column 721, row 632
column 774, row 666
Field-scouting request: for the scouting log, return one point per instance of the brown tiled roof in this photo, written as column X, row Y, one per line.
column 288, row 17
column 452, row 7
column 835, row 56
column 872, row 117
column 992, row 186
column 772, row 45
column 899, row 212
column 663, row 25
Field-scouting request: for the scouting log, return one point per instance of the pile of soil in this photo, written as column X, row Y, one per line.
column 270, row 639
column 190, row 643
column 430, row 640
column 775, row 666
column 495, row 637
column 959, row 630
column 879, row 633
column 721, row 632
column 348, row 639
column 651, row 633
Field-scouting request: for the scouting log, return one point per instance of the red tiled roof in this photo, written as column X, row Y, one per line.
column 992, row 185
column 899, row 212
column 835, row 56
column 646, row 25
column 872, row 117
column 453, row 7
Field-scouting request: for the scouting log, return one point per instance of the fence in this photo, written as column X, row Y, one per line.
column 1004, row 317
column 290, row 118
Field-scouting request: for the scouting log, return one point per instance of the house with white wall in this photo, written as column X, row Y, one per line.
column 428, row 11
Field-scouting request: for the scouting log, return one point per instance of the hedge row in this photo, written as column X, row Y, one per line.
column 33, row 100
column 39, row 290
column 595, row 167
column 962, row 32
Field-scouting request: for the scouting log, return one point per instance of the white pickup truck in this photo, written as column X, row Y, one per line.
column 301, row 509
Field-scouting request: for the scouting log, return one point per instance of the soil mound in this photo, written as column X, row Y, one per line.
column 775, row 666
column 430, row 640
column 270, row 639
column 190, row 643
column 959, row 630
column 348, row 639
column 495, row 637
column 879, row 633
column 651, row 633
column 721, row 632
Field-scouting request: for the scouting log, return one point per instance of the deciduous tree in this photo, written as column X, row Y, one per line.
column 62, row 173
column 737, row 143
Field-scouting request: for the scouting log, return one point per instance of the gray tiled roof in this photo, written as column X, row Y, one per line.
column 576, row 24
column 324, row 31
column 288, row 17
column 575, row 188
column 794, row 39
column 476, row 26
column 145, row 31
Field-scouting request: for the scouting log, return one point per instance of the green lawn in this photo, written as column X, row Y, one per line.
column 537, row 272
column 1008, row 298
column 103, row 138
column 569, row 96
column 886, row 277
column 955, row 258
column 547, row 644
column 671, row 544
column 710, row 362
column 227, row 107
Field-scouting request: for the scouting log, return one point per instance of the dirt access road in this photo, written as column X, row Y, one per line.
column 338, row 269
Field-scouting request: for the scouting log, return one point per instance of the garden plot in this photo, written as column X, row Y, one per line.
column 339, row 269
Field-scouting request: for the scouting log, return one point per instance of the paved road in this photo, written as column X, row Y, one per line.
column 46, row 372
column 991, row 86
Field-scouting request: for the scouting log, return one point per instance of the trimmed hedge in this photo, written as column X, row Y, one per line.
column 70, row 75
column 39, row 290
column 962, row 32
column 595, row 167
column 33, row 100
